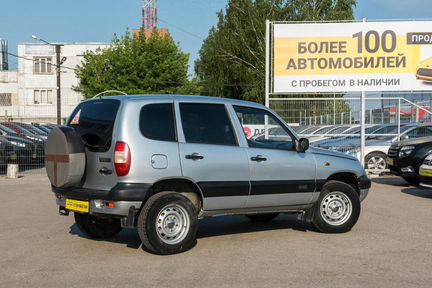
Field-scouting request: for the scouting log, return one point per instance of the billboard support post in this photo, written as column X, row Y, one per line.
column 362, row 128
column 398, row 119
column 267, row 68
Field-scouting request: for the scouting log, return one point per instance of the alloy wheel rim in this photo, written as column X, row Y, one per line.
column 172, row 224
column 376, row 162
column 336, row 208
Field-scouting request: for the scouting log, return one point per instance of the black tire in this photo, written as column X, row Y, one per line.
column 376, row 155
column 169, row 203
column 262, row 217
column 414, row 181
column 341, row 193
column 96, row 227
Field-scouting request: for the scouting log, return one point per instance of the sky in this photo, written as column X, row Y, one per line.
column 187, row 20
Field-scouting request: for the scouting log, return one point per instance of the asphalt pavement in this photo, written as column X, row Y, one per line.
column 391, row 246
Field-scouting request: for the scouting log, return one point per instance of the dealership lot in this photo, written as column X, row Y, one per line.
column 391, row 246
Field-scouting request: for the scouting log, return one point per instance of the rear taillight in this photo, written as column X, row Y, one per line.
column 122, row 159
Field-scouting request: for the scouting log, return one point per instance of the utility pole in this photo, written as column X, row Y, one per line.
column 59, row 62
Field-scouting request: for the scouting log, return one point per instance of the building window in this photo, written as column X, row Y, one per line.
column 43, row 96
column 42, row 65
column 5, row 99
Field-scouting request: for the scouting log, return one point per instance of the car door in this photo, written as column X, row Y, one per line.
column 211, row 156
column 280, row 176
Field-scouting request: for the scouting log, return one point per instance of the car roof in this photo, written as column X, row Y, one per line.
column 186, row 98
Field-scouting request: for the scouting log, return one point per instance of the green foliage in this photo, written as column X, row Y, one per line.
column 136, row 65
column 232, row 58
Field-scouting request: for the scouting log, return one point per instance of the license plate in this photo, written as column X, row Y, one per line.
column 78, row 206
column 390, row 161
column 13, row 157
column 425, row 173
column 34, row 156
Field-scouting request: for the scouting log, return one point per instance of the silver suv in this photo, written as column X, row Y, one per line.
column 160, row 163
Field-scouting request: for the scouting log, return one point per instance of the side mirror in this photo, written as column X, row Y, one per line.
column 302, row 145
column 404, row 137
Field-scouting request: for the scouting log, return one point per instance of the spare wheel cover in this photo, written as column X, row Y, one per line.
column 65, row 158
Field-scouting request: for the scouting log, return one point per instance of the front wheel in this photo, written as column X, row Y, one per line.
column 337, row 209
column 96, row 227
column 168, row 223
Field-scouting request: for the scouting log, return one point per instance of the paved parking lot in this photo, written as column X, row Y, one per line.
column 391, row 246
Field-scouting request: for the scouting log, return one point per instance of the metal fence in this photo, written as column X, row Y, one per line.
column 23, row 134
column 333, row 121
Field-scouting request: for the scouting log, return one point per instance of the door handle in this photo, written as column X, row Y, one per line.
column 105, row 171
column 194, row 156
column 259, row 158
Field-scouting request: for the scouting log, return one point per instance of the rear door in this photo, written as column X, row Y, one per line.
column 94, row 121
column 211, row 156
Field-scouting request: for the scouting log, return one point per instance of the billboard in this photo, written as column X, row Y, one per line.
column 358, row 56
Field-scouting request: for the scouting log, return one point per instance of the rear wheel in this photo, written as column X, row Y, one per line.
column 168, row 223
column 337, row 209
column 414, row 181
column 376, row 161
column 262, row 217
column 96, row 227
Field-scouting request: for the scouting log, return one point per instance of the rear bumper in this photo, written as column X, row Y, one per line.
column 120, row 192
column 125, row 197
column 121, row 208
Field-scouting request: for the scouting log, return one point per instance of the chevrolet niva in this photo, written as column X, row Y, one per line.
column 160, row 163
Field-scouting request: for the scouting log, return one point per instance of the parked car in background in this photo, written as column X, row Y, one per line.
column 425, row 172
column 33, row 129
column 26, row 141
column 404, row 158
column 8, row 153
column 327, row 132
column 21, row 131
column 377, row 146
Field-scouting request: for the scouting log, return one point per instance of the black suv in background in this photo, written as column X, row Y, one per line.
column 404, row 158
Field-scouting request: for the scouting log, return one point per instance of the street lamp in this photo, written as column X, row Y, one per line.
column 59, row 62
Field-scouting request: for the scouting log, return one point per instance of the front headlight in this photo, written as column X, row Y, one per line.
column 406, row 150
column 19, row 144
column 352, row 151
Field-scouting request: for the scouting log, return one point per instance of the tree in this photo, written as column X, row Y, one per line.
column 232, row 58
column 136, row 65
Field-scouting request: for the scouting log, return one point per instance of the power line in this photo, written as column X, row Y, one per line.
column 29, row 59
column 181, row 29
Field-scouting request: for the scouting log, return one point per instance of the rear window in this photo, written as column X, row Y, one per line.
column 94, row 122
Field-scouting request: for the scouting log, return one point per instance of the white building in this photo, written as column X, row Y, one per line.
column 33, row 87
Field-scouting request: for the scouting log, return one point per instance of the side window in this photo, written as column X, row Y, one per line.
column 263, row 130
column 157, row 122
column 420, row 132
column 207, row 124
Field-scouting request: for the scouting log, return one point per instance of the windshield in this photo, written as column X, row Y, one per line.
column 7, row 130
column 324, row 130
column 338, row 130
column 388, row 130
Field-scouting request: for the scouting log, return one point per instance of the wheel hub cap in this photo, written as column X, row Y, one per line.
column 172, row 224
column 336, row 208
column 376, row 163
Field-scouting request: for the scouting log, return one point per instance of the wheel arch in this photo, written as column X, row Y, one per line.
column 184, row 186
column 349, row 178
